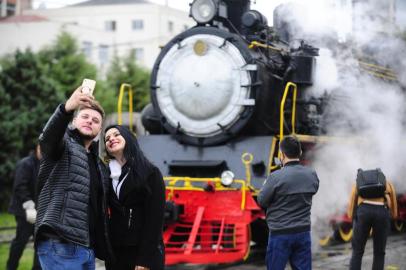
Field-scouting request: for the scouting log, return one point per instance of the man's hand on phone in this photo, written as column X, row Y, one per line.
column 78, row 99
column 88, row 86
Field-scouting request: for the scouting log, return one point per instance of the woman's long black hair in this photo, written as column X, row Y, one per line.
column 140, row 166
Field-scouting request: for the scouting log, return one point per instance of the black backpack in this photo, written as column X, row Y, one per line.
column 371, row 183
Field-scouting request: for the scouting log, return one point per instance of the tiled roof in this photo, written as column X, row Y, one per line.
column 23, row 19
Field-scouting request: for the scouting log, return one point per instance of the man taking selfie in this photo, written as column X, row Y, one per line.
column 72, row 192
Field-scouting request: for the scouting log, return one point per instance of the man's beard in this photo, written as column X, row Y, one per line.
column 86, row 136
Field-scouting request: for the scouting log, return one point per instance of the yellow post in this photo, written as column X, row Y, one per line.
column 282, row 109
column 130, row 105
column 271, row 155
column 246, row 159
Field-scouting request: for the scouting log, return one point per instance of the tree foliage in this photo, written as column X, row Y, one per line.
column 125, row 70
column 65, row 65
column 27, row 98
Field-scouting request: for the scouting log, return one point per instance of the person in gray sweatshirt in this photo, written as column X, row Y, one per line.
column 287, row 197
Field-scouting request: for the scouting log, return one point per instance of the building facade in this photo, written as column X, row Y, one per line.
column 13, row 7
column 104, row 28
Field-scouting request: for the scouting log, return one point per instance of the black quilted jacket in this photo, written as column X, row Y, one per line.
column 64, row 183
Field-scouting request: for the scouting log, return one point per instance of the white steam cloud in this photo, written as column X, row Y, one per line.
column 366, row 114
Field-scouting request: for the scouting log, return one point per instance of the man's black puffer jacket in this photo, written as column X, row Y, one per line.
column 64, row 183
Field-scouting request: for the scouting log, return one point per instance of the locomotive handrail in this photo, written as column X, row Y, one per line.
column 187, row 180
column 271, row 155
column 378, row 71
column 376, row 74
column 120, row 104
column 376, row 66
column 254, row 44
column 246, row 159
column 282, row 110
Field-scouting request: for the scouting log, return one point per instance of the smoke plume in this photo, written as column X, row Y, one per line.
column 365, row 117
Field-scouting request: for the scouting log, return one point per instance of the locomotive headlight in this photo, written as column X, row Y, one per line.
column 202, row 85
column 203, row 11
column 227, row 178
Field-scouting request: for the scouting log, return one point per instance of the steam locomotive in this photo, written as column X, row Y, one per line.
column 223, row 94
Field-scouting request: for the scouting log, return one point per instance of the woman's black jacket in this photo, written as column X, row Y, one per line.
column 136, row 219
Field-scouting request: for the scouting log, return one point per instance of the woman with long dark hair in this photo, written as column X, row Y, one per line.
column 137, row 203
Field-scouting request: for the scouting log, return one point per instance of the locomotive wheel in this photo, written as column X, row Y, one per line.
column 398, row 224
column 345, row 232
column 325, row 241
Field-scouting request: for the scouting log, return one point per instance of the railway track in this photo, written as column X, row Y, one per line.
column 334, row 257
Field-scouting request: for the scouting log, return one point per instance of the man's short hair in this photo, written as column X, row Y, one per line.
column 291, row 147
column 94, row 105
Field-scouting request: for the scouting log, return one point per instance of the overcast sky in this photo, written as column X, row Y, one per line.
column 264, row 6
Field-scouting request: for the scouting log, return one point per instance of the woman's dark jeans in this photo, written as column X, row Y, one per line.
column 377, row 218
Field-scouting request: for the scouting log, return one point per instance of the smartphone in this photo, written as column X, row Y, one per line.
column 88, row 86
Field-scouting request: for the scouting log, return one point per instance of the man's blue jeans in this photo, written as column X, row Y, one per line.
column 55, row 255
column 295, row 248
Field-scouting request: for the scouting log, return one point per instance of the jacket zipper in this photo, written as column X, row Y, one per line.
column 129, row 219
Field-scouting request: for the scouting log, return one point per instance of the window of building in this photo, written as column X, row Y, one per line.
column 139, row 54
column 110, row 26
column 7, row 9
column 400, row 13
column 87, row 48
column 170, row 26
column 138, row 24
column 103, row 54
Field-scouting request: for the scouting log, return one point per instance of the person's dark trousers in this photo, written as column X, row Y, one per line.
column 377, row 218
column 23, row 233
column 294, row 248
column 125, row 258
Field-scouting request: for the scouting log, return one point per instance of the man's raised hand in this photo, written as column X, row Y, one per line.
column 78, row 99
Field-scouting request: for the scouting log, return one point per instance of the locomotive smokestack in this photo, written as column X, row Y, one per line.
column 235, row 10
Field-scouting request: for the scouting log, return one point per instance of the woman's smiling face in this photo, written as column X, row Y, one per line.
column 115, row 143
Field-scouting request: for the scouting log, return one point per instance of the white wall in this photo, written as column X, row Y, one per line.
column 87, row 24
column 124, row 39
